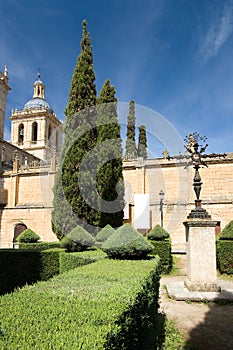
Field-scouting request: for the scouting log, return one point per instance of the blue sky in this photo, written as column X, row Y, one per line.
column 171, row 56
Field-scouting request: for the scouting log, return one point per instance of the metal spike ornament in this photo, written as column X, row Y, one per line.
column 197, row 161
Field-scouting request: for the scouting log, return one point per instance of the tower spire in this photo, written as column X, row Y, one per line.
column 39, row 87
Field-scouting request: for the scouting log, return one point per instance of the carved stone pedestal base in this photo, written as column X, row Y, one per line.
column 201, row 255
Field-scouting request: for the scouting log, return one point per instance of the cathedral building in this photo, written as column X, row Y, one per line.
column 29, row 164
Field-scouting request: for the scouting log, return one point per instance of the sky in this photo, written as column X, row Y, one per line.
column 172, row 57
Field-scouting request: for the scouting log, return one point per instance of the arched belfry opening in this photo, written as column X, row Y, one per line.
column 34, row 132
column 21, row 134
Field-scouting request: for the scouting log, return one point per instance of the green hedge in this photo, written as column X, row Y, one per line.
column 224, row 251
column 39, row 245
column 19, row 267
column 106, row 305
column 163, row 250
column 70, row 261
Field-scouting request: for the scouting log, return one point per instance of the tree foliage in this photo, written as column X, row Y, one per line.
column 131, row 149
column 142, row 142
column 70, row 205
column 110, row 175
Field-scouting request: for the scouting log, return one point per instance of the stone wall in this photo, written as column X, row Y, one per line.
column 26, row 195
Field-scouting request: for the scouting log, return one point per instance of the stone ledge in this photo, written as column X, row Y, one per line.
column 178, row 291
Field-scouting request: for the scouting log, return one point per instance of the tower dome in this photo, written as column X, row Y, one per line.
column 38, row 101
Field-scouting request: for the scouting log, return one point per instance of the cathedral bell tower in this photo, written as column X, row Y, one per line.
column 35, row 128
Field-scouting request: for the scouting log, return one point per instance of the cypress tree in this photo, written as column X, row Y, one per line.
column 70, row 202
column 110, row 176
column 131, row 149
column 142, row 142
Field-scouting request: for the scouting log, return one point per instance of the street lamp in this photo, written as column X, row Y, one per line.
column 161, row 196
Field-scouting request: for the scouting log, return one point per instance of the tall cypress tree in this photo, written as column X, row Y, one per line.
column 110, row 176
column 70, row 202
column 142, row 142
column 131, row 149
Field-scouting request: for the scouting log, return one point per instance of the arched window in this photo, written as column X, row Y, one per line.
column 19, row 228
column 49, row 135
column 34, row 131
column 21, row 134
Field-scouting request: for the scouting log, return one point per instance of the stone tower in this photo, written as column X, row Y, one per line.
column 35, row 128
column 4, row 88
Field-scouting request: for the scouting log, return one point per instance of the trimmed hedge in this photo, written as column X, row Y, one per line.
column 70, row 261
column 39, row 245
column 227, row 232
column 157, row 234
column 77, row 240
column 103, row 235
column 224, row 250
column 19, row 267
column 106, row 305
column 163, row 250
column 28, row 236
column 127, row 243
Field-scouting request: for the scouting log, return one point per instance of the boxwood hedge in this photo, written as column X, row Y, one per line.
column 224, row 251
column 110, row 304
column 19, row 267
column 39, row 245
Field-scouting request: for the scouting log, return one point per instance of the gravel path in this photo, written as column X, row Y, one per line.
column 205, row 326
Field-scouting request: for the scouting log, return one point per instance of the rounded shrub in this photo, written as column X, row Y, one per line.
column 227, row 232
column 158, row 234
column 127, row 243
column 28, row 236
column 104, row 234
column 77, row 240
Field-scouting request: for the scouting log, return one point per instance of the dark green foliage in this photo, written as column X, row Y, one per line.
column 82, row 90
column 77, row 240
column 131, row 149
column 105, row 305
column 103, row 235
column 69, row 261
column 39, row 245
column 70, row 206
column 19, row 267
column 110, row 175
column 157, row 234
column 142, row 142
column 28, row 236
column 163, row 250
column 224, row 251
column 127, row 243
column 227, row 232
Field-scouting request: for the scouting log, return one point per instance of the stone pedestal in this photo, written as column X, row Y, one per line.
column 201, row 255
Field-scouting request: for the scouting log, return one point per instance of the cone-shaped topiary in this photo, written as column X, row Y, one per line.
column 28, row 236
column 227, row 232
column 127, row 243
column 104, row 234
column 77, row 240
column 158, row 234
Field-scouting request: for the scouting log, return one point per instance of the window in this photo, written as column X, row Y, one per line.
column 21, row 134
column 34, row 131
column 49, row 135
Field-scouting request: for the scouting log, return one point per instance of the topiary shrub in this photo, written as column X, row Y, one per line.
column 127, row 243
column 161, row 241
column 77, row 240
column 227, row 232
column 103, row 235
column 158, row 234
column 28, row 236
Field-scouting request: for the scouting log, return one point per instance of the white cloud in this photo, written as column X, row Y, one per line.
column 219, row 31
